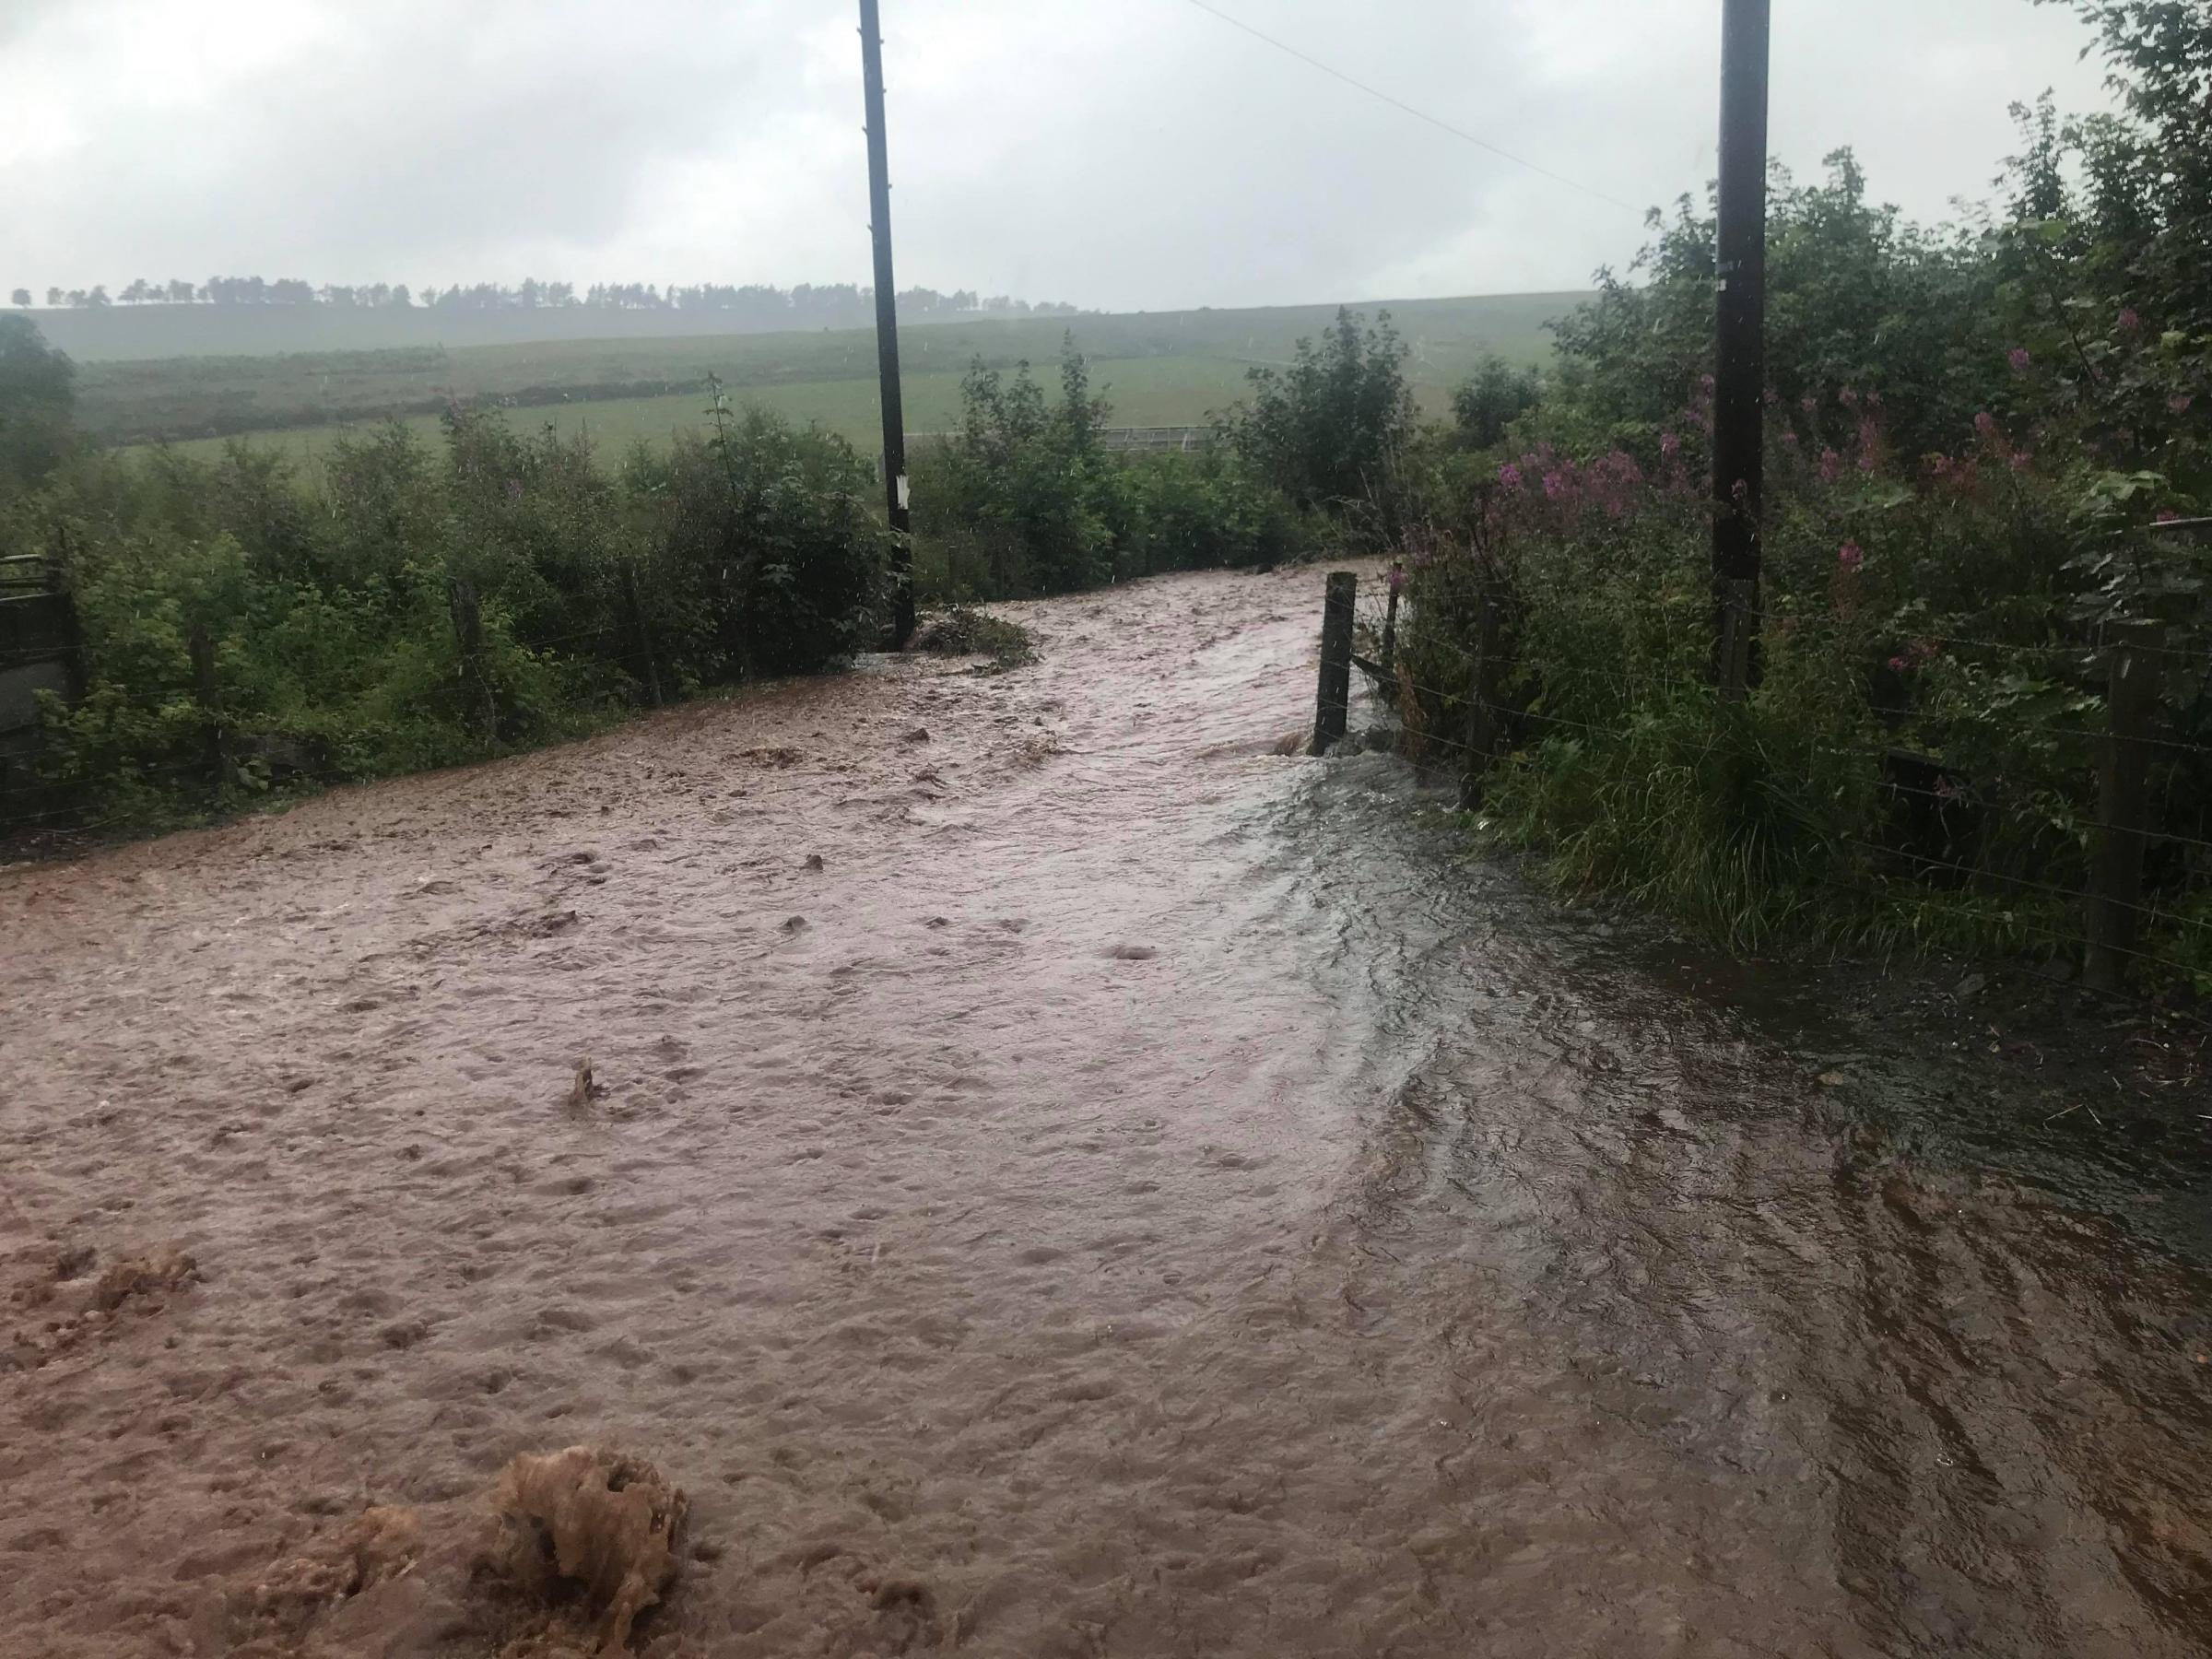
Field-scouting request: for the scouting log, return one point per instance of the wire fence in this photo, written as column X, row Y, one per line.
column 2088, row 829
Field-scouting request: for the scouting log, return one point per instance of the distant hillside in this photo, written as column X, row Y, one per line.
column 1194, row 362
column 484, row 316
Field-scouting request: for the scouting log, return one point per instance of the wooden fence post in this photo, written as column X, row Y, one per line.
column 1482, row 707
column 1739, row 629
column 2123, row 803
column 1390, row 624
column 209, row 696
column 468, row 629
column 1333, row 703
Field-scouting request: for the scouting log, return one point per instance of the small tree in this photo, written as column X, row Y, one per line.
column 1498, row 395
column 20, row 298
column 1859, row 301
column 1328, row 430
column 37, row 399
column 1028, row 482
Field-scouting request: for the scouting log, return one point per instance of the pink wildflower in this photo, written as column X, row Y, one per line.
column 1555, row 485
column 1850, row 556
column 1831, row 467
column 1848, row 398
column 1898, row 665
column 2169, row 516
column 1789, row 439
column 2129, row 320
column 1509, row 475
column 2179, row 403
column 1808, row 402
column 1874, row 400
column 1670, row 445
column 2019, row 359
column 2021, row 459
column 1986, row 424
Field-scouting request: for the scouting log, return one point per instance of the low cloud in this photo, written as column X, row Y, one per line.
column 1146, row 154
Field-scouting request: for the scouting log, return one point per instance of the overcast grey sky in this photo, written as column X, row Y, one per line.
column 1134, row 154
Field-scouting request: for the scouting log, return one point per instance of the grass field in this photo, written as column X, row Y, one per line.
column 1159, row 369
column 1143, row 392
column 126, row 332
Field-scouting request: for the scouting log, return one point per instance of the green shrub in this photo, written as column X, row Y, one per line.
column 964, row 630
column 1025, row 499
column 1916, row 758
column 1328, row 430
column 1023, row 487
column 1203, row 511
column 335, row 618
column 37, row 405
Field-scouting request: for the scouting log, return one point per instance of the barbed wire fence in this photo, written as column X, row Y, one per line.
column 2110, row 862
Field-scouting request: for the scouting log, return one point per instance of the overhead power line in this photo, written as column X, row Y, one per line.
column 1419, row 114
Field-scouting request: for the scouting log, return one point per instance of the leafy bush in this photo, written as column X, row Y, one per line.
column 422, row 609
column 964, row 630
column 758, row 549
column 1971, row 435
column 36, row 402
column 1203, row 511
column 1865, row 312
column 1328, row 430
column 1916, row 756
column 1025, row 499
column 1494, row 397
column 1024, row 484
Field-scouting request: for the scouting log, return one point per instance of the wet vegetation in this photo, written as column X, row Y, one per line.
column 964, row 630
column 244, row 630
column 1975, row 435
column 1026, row 498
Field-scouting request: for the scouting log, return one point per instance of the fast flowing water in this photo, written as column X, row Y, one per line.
column 1139, row 1194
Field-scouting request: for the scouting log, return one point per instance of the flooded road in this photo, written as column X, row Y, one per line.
column 1133, row 1197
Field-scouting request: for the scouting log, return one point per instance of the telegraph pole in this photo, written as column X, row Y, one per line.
column 887, row 327
column 1740, row 360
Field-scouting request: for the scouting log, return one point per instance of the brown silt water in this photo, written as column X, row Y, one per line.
column 1056, row 1177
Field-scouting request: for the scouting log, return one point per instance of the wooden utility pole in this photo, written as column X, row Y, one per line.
column 1481, row 731
column 1740, row 357
column 887, row 327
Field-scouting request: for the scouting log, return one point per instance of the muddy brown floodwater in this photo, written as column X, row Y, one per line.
column 1131, row 1198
